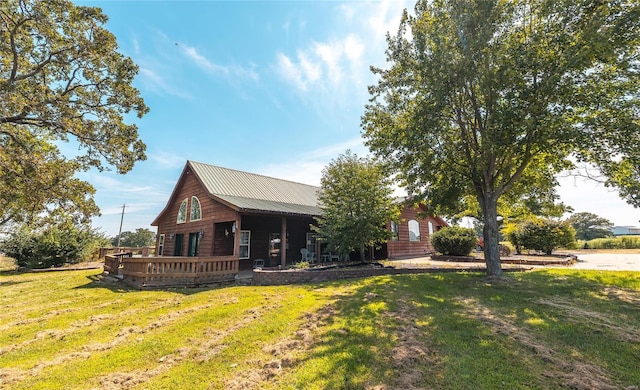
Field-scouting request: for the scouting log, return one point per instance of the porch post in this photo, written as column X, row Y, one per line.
column 283, row 243
column 236, row 237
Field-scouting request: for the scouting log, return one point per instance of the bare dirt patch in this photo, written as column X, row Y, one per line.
column 283, row 355
column 574, row 374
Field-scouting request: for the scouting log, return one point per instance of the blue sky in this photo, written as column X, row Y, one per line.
column 270, row 87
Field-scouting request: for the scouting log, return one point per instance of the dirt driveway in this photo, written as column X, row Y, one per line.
column 609, row 261
column 593, row 261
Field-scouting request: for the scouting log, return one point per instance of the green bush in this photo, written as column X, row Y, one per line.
column 52, row 247
column 546, row 235
column 454, row 241
column 623, row 242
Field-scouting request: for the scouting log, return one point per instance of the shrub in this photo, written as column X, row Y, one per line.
column 52, row 247
column 546, row 235
column 623, row 242
column 454, row 241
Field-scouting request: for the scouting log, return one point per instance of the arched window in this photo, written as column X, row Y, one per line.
column 182, row 212
column 414, row 230
column 196, row 211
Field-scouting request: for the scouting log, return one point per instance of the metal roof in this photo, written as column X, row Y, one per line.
column 252, row 192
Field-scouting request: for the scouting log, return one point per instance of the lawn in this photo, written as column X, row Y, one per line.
column 545, row 329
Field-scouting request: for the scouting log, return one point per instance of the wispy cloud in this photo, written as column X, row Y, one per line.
column 336, row 69
column 211, row 67
column 152, row 81
column 167, row 160
column 308, row 168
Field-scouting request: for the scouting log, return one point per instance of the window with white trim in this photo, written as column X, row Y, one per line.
column 196, row 210
column 431, row 228
column 414, row 230
column 161, row 245
column 245, row 244
column 182, row 212
column 394, row 231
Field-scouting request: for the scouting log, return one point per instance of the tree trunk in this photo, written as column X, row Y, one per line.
column 491, row 235
column 363, row 257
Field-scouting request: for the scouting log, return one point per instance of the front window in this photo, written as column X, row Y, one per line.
column 245, row 244
column 196, row 211
column 161, row 245
column 414, row 230
column 182, row 212
column 394, row 231
column 430, row 228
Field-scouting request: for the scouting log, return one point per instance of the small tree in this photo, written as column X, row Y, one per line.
column 546, row 235
column 356, row 204
column 589, row 226
column 454, row 240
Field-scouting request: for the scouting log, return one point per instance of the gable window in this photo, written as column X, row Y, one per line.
column 394, row 231
column 182, row 212
column 196, row 210
column 414, row 230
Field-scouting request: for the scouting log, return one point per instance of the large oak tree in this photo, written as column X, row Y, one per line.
column 62, row 79
column 492, row 98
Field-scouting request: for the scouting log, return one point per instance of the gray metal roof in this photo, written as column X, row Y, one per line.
column 252, row 192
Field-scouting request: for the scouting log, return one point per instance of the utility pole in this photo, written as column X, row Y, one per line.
column 121, row 219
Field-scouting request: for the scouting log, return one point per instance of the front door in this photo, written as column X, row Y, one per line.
column 274, row 249
column 194, row 243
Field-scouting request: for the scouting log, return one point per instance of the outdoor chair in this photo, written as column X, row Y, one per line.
column 258, row 263
column 307, row 256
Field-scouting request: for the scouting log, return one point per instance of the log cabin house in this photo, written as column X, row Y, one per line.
column 218, row 221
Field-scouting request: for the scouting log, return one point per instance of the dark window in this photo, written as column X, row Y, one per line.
column 178, row 245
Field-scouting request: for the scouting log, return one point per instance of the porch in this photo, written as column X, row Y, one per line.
column 147, row 272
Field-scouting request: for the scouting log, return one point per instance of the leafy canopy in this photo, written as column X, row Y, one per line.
column 491, row 99
column 356, row 204
column 141, row 237
column 589, row 226
column 61, row 80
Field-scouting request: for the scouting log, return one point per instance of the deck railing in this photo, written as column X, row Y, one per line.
column 178, row 271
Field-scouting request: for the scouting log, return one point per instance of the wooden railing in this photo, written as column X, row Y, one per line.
column 178, row 271
column 113, row 262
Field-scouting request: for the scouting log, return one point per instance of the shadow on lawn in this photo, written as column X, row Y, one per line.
column 456, row 330
column 115, row 285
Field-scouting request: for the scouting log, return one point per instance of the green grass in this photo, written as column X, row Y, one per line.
column 538, row 330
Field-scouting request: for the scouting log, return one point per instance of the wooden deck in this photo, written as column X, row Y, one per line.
column 172, row 271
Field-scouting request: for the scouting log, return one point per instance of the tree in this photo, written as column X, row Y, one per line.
column 492, row 99
column 61, row 80
column 356, row 204
column 589, row 226
column 141, row 237
column 545, row 234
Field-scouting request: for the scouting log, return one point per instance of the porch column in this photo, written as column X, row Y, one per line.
column 236, row 237
column 283, row 243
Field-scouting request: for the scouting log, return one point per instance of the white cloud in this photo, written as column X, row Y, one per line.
column 164, row 160
column 211, row 67
column 152, row 81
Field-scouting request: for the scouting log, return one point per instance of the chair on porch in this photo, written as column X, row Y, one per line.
column 258, row 263
column 307, row 256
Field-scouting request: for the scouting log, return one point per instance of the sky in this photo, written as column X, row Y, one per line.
column 270, row 87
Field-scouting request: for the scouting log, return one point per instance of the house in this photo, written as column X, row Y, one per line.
column 625, row 231
column 215, row 211
column 218, row 221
